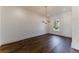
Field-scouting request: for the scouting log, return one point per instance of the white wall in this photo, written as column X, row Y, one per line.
column 65, row 26
column 18, row 24
column 75, row 27
column 0, row 26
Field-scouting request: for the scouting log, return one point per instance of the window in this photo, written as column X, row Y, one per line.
column 56, row 26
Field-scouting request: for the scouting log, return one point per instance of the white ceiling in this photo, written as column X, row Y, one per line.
column 51, row 10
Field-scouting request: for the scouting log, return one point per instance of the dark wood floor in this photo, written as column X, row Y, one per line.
column 42, row 44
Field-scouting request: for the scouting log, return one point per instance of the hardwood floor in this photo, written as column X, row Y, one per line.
column 42, row 44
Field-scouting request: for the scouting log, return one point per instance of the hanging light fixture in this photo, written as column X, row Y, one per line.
column 46, row 17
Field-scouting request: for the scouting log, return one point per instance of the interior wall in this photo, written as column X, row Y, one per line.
column 65, row 26
column 0, row 26
column 75, row 27
column 18, row 24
